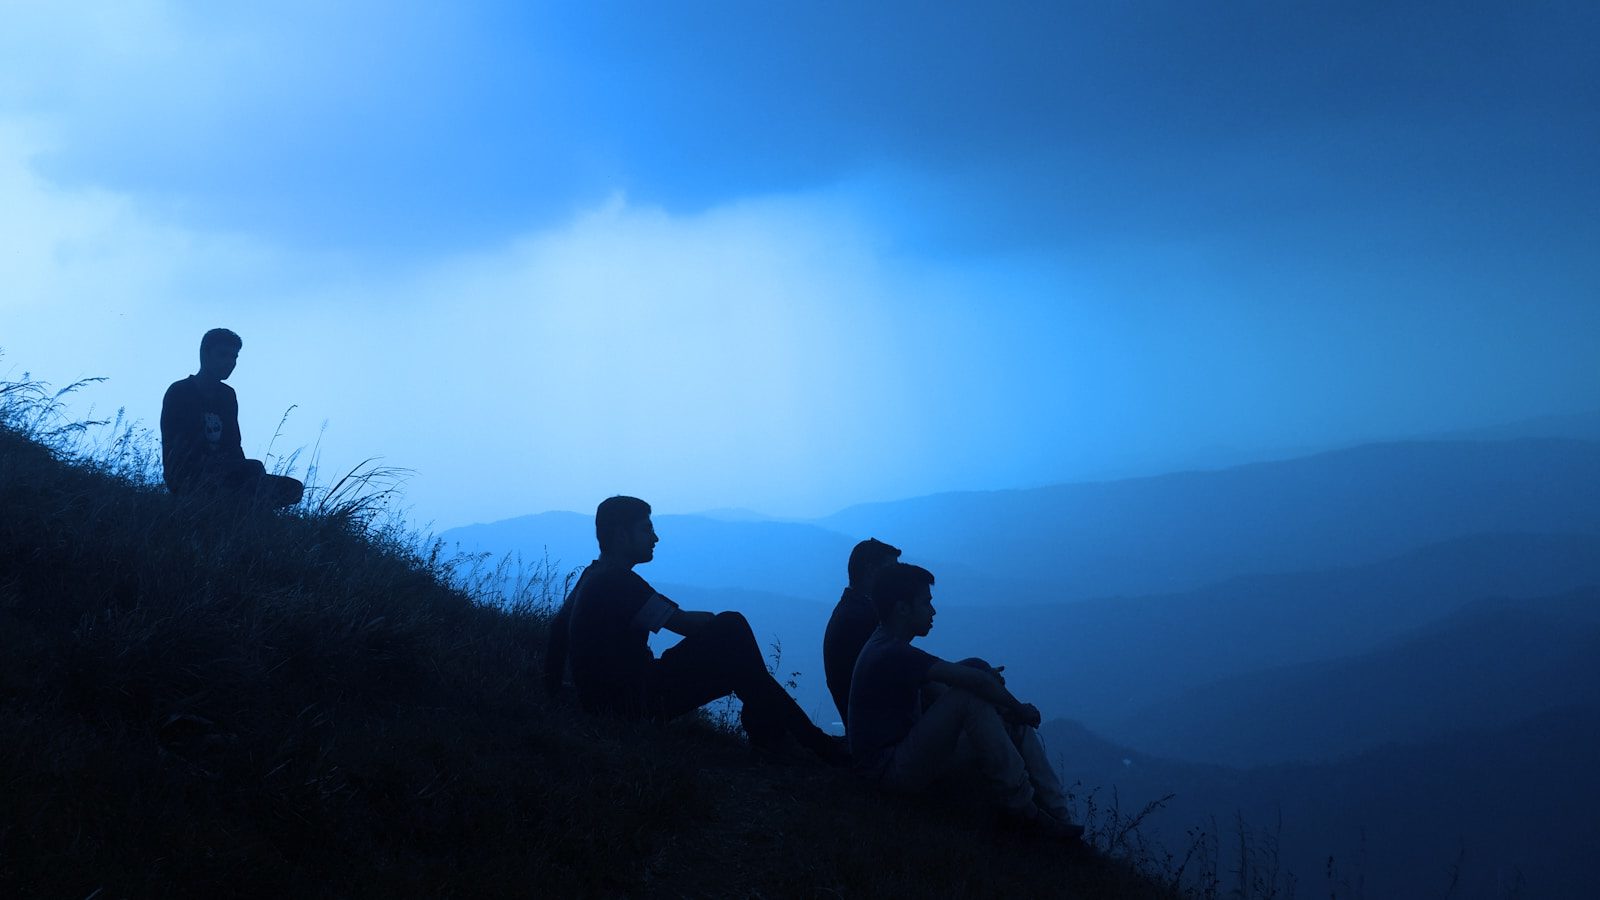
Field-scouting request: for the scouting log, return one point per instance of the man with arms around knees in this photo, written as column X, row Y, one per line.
column 603, row 630
column 974, row 725
column 201, row 449
column 853, row 620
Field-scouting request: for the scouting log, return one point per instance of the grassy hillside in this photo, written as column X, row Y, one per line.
column 199, row 701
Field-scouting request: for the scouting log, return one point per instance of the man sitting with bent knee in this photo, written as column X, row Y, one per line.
column 975, row 724
column 603, row 629
column 201, row 451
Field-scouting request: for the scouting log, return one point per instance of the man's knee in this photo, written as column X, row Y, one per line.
column 965, row 701
column 289, row 490
column 733, row 623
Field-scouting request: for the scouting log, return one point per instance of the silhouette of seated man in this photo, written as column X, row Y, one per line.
column 972, row 726
column 853, row 620
column 603, row 630
column 201, row 449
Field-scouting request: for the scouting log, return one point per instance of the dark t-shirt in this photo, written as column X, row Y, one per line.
column 852, row 622
column 885, row 696
column 608, row 642
column 200, row 439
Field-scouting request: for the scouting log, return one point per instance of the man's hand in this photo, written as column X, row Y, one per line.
column 1026, row 714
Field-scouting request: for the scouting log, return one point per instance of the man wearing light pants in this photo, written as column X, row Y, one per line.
column 973, row 725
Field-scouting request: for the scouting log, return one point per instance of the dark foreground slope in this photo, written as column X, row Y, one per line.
column 200, row 703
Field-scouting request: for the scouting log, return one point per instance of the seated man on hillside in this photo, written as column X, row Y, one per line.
column 974, row 725
column 603, row 629
column 853, row 620
column 201, row 448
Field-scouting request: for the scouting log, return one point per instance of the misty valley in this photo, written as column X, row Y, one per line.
column 1377, row 666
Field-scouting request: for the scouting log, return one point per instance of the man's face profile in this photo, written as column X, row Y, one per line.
column 640, row 540
column 217, row 361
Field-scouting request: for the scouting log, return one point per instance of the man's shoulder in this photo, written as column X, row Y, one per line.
column 854, row 607
column 599, row 580
column 882, row 645
column 193, row 386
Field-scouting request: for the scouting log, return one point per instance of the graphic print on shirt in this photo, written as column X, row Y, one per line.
column 213, row 429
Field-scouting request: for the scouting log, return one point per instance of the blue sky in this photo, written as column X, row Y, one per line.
column 793, row 256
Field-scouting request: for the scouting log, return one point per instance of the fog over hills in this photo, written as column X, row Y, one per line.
column 1419, row 620
column 1485, row 666
column 792, row 558
column 1099, row 660
column 1184, row 530
column 1132, row 537
column 1447, row 510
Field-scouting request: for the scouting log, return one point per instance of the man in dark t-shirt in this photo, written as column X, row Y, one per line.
column 201, row 449
column 853, row 620
column 603, row 629
column 973, row 725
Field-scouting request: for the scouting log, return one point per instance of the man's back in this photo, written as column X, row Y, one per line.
column 885, row 693
column 610, row 656
column 849, row 627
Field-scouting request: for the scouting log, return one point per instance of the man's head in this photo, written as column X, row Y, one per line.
column 866, row 559
column 902, row 595
column 219, row 353
column 622, row 526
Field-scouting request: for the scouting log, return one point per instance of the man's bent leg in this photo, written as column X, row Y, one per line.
column 960, row 724
column 276, row 491
column 724, row 658
column 1047, row 790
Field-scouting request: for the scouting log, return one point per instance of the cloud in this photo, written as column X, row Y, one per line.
column 388, row 131
column 764, row 258
column 754, row 354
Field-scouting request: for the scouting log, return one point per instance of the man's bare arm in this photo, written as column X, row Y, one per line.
column 687, row 621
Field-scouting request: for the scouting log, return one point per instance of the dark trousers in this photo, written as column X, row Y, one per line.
column 252, row 480
column 245, row 480
column 720, row 659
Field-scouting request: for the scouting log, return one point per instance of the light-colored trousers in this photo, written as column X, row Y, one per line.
column 960, row 732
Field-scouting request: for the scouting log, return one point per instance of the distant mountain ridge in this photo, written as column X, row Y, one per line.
column 794, row 558
column 1487, row 665
column 1135, row 537
column 1100, row 660
column 1184, row 530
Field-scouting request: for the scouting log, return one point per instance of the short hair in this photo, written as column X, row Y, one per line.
column 615, row 513
column 220, row 336
column 867, row 557
column 898, row 583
